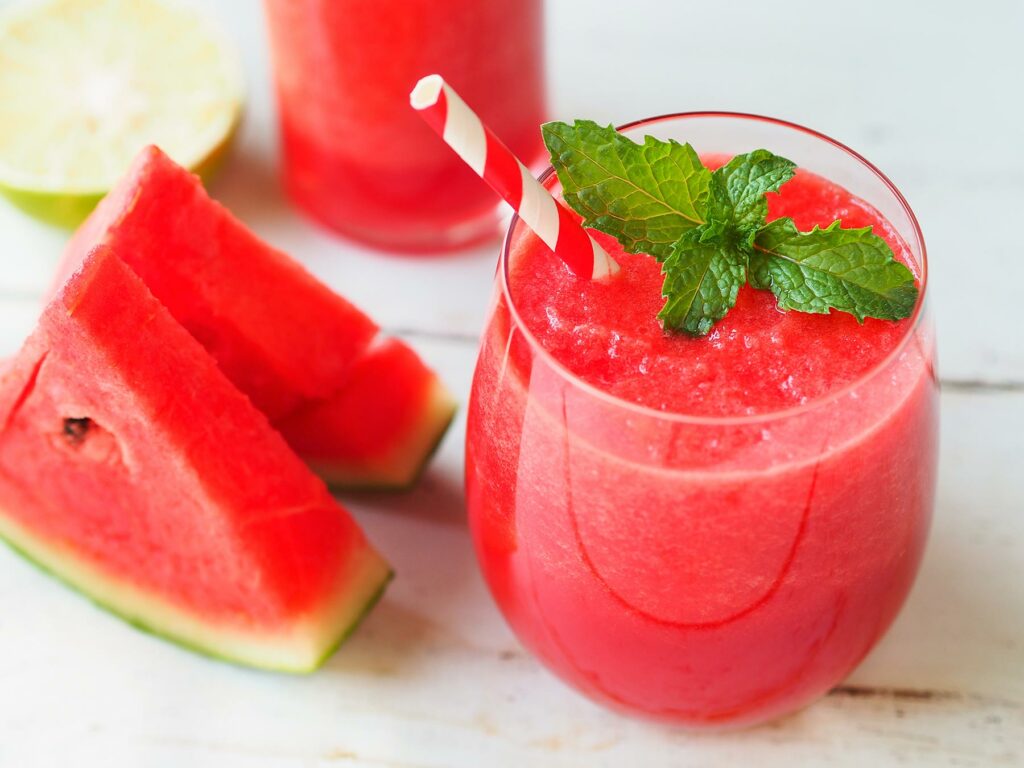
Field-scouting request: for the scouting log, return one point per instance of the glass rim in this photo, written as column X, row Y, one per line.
column 754, row 418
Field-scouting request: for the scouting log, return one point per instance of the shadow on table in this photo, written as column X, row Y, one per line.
column 437, row 498
column 423, row 534
column 391, row 643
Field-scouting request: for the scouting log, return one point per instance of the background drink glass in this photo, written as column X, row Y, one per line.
column 356, row 156
column 702, row 570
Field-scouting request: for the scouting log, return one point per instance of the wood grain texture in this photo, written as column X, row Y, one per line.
column 434, row 678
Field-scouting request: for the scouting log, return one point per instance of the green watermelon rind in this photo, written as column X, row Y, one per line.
column 404, row 470
column 367, row 609
column 381, row 582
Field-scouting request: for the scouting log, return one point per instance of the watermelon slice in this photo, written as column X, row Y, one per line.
column 135, row 471
column 300, row 351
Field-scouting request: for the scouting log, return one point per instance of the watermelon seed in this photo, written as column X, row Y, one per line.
column 76, row 430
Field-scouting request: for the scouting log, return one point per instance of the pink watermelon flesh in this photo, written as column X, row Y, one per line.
column 281, row 336
column 389, row 392
column 134, row 470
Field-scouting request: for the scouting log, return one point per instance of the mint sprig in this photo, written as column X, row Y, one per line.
column 709, row 229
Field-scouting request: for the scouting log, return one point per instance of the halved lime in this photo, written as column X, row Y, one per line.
column 86, row 84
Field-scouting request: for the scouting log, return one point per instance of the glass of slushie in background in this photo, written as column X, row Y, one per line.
column 356, row 157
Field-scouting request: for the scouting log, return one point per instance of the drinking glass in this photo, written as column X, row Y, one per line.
column 356, row 157
column 707, row 571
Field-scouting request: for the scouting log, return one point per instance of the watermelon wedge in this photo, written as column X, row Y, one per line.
column 302, row 353
column 133, row 469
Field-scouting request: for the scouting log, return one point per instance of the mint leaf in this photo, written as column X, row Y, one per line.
column 745, row 180
column 851, row 270
column 703, row 274
column 646, row 196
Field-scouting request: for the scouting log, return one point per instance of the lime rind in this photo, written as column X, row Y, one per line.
column 86, row 84
column 68, row 210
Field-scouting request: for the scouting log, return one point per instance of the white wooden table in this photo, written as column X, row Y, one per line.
column 931, row 92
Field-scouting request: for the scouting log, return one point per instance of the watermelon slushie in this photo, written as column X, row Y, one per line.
column 712, row 531
column 355, row 156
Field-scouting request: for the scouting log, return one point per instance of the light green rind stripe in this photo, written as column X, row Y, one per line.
column 301, row 648
column 402, row 471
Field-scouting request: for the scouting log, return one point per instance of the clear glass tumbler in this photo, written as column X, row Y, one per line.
column 701, row 570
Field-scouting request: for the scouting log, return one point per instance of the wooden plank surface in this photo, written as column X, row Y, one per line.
column 434, row 678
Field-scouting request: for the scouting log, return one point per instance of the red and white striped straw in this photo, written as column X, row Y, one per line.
column 445, row 111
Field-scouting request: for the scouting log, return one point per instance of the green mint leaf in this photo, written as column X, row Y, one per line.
column 851, row 270
column 703, row 274
column 645, row 195
column 745, row 180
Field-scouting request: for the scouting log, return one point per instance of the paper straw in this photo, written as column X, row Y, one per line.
column 445, row 111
